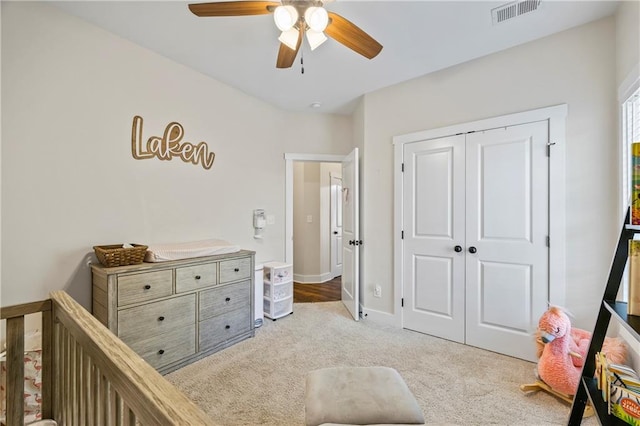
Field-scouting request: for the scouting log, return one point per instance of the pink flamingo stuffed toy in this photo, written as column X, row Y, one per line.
column 562, row 351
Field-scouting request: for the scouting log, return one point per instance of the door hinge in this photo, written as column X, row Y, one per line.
column 548, row 241
column 549, row 145
column 402, row 302
column 402, row 167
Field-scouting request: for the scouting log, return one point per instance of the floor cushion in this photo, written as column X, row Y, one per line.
column 359, row 396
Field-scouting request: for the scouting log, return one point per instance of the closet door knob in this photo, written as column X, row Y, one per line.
column 160, row 318
column 227, row 327
column 236, row 269
column 161, row 351
column 472, row 249
column 228, row 299
column 147, row 287
column 457, row 249
column 197, row 277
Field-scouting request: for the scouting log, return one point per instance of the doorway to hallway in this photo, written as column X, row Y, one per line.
column 329, row 291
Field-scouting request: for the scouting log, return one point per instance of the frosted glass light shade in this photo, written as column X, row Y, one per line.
column 316, row 18
column 285, row 17
column 290, row 38
column 315, row 38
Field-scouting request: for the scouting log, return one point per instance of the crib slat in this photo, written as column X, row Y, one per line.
column 86, row 389
column 73, row 368
column 112, row 405
column 119, row 410
column 67, row 375
column 98, row 412
column 58, row 371
column 47, row 364
column 15, row 371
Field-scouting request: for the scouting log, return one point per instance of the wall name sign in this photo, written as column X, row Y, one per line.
column 169, row 145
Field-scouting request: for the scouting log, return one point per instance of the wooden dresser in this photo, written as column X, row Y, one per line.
column 173, row 313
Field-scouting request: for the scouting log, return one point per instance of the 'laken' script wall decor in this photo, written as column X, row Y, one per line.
column 169, row 145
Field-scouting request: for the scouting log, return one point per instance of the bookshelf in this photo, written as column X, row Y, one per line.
column 609, row 308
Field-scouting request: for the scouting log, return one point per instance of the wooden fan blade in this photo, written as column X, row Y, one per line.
column 233, row 8
column 347, row 33
column 286, row 55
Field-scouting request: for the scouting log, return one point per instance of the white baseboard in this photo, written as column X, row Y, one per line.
column 312, row 279
column 380, row 317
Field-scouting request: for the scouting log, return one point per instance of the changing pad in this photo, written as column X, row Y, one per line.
column 176, row 251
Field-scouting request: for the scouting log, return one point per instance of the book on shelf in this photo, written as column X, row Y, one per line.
column 633, row 307
column 620, row 387
column 635, row 183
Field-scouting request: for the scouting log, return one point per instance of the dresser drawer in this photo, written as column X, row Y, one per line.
column 222, row 299
column 156, row 318
column 216, row 330
column 235, row 269
column 191, row 278
column 167, row 348
column 143, row 287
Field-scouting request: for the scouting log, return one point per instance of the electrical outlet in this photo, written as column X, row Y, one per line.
column 377, row 291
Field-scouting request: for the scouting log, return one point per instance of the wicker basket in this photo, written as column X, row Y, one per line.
column 116, row 255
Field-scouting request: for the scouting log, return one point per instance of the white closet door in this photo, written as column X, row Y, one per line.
column 485, row 194
column 433, row 224
column 507, row 270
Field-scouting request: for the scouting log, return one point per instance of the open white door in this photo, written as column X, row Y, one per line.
column 350, row 234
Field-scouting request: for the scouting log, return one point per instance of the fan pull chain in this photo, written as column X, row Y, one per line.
column 301, row 62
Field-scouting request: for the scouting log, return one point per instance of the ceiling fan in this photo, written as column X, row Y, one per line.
column 295, row 18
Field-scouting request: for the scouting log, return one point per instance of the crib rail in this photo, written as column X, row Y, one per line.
column 95, row 378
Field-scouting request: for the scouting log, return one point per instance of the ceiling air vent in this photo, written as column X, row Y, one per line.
column 513, row 9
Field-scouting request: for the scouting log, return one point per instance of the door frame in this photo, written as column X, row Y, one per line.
column 288, row 193
column 556, row 117
column 335, row 214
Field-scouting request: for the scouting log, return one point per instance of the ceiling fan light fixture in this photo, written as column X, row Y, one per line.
column 290, row 38
column 285, row 17
column 316, row 18
column 315, row 38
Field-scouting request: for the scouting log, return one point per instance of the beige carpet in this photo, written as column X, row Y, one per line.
column 261, row 381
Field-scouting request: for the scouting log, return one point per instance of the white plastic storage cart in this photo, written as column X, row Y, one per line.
column 278, row 289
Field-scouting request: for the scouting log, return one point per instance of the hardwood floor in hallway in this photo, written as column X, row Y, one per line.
column 330, row 291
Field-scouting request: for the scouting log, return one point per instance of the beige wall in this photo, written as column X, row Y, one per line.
column 576, row 67
column 627, row 39
column 306, row 235
column 69, row 182
column 311, row 197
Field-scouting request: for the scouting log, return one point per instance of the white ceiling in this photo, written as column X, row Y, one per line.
column 419, row 37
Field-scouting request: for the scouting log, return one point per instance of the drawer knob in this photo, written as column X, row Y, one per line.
column 197, row 277
column 160, row 318
column 147, row 287
column 236, row 269
column 161, row 351
column 228, row 299
column 227, row 327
